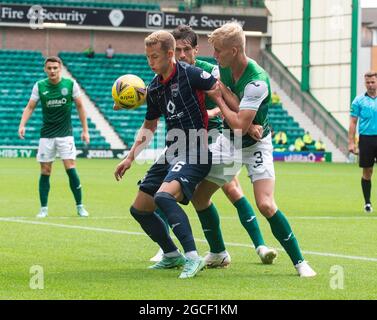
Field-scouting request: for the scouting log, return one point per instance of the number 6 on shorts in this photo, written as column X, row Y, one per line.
column 178, row 166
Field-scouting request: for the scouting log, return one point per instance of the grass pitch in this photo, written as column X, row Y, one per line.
column 106, row 255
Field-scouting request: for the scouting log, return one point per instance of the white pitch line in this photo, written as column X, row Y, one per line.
column 128, row 217
column 233, row 244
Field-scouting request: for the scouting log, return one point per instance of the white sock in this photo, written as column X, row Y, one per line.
column 192, row 254
column 261, row 249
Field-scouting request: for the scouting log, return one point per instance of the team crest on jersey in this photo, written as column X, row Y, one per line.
column 174, row 89
column 64, row 91
column 205, row 75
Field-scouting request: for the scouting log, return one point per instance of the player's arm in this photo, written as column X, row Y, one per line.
column 229, row 97
column 241, row 120
column 354, row 114
column 76, row 95
column 351, row 134
column 142, row 140
column 28, row 111
column 84, row 122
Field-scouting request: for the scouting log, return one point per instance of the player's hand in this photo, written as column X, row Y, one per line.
column 214, row 113
column 85, row 137
column 122, row 168
column 256, row 132
column 21, row 132
column 352, row 147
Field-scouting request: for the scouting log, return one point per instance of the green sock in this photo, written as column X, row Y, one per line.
column 249, row 221
column 74, row 183
column 44, row 188
column 163, row 217
column 282, row 231
column 209, row 218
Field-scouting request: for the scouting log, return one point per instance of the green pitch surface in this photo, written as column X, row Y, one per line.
column 106, row 255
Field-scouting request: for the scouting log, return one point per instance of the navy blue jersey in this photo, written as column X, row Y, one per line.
column 180, row 98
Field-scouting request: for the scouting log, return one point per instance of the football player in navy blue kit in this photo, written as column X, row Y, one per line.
column 177, row 92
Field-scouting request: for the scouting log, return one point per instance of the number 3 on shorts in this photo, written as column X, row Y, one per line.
column 178, row 166
column 259, row 159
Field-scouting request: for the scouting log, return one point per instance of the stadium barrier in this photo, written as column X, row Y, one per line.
column 152, row 154
column 321, row 117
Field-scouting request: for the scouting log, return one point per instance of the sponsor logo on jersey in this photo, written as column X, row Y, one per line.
column 56, row 103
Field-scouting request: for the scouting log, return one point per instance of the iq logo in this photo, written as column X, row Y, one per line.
column 155, row 20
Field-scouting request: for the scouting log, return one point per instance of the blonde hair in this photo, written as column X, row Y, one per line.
column 230, row 34
column 161, row 36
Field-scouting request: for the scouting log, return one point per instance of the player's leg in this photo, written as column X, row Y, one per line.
column 67, row 150
column 367, row 158
column 246, row 214
column 179, row 186
column 280, row 227
column 210, row 222
column 45, row 156
column 44, row 188
column 159, row 254
column 143, row 210
column 366, row 185
column 262, row 174
column 75, row 185
column 222, row 171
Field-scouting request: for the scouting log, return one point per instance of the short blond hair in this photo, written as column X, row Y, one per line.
column 161, row 36
column 230, row 34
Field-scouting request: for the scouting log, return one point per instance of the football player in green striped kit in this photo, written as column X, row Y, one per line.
column 186, row 51
column 57, row 95
column 246, row 96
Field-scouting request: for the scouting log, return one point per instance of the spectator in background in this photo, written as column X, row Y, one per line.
column 272, row 131
column 89, row 52
column 281, row 138
column 319, row 145
column 307, row 138
column 300, row 145
column 275, row 99
column 109, row 52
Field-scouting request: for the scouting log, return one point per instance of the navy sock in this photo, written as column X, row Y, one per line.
column 366, row 185
column 177, row 218
column 155, row 228
column 163, row 217
column 44, row 188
